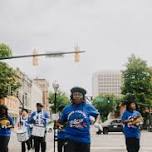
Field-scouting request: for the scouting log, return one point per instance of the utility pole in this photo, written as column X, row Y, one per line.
column 55, row 87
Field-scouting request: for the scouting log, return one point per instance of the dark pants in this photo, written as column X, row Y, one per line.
column 31, row 141
column 39, row 142
column 4, row 140
column 72, row 146
column 61, row 145
column 23, row 145
column 132, row 144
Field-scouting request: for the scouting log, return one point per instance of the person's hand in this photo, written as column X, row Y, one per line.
column 4, row 126
column 19, row 126
column 31, row 125
column 8, row 123
column 92, row 119
column 34, row 117
column 57, row 125
column 96, row 125
column 131, row 120
column 130, row 123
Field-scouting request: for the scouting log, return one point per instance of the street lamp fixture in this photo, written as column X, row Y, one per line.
column 55, row 87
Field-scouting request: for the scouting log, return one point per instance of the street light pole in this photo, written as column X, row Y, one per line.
column 55, row 87
column 55, row 102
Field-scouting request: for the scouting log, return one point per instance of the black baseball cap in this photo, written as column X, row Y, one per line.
column 78, row 89
column 39, row 104
column 25, row 110
column 2, row 106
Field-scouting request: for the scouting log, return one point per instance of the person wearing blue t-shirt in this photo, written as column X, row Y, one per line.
column 24, row 124
column 39, row 118
column 131, row 119
column 6, row 123
column 76, row 116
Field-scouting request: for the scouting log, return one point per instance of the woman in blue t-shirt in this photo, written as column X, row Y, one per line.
column 131, row 119
column 6, row 123
column 76, row 116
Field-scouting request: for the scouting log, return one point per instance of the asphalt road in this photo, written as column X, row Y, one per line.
column 113, row 142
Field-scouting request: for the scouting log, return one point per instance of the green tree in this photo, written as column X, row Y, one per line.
column 5, row 51
column 61, row 100
column 9, row 81
column 105, row 104
column 137, row 80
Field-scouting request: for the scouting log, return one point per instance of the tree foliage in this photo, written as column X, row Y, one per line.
column 137, row 80
column 5, row 51
column 9, row 81
column 105, row 104
column 61, row 100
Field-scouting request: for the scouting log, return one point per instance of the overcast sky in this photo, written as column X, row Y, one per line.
column 109, row 30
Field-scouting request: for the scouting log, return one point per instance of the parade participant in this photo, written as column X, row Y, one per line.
column 6, row 122
column 76, row 116
column 39, row 119
column 31, row 139
column 131, row 119
column 24, row 124
column 61, row 132
column 98, row 125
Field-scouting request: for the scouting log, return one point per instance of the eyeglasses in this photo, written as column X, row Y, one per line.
column 77, row 94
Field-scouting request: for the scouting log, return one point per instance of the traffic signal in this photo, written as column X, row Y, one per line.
column 35, row 58
column 77, row 54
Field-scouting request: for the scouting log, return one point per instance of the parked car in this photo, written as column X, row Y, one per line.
column 112, row 125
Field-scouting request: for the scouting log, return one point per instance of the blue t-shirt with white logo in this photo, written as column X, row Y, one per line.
column 24, row 123
column 76, row 117
column 39, row 118
column 131, row 131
